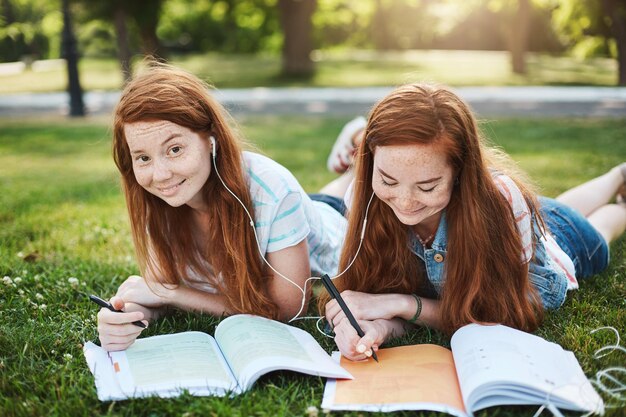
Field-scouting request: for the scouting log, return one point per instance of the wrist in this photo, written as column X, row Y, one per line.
column 169, row 294
column 408, row 305
column 385, row 329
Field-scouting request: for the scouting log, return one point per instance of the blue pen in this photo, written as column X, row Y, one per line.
column 106, row 304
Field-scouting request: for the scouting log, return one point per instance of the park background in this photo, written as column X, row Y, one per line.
column 63, row 226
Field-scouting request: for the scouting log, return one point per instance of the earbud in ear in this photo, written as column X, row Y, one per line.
column 213, row 146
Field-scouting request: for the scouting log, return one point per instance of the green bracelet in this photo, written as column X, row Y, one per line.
column 418, row 310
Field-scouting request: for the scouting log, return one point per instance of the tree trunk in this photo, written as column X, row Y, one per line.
column 296, row 20
column 146, row 13
column 123, row 49
column 70, row 54
column 519, row 37
column 150, row 43
column 616, row 11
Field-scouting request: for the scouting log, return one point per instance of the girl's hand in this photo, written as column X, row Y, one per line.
column 115, row 330
column 366, row 306
column 358, row 348
column 136, row 290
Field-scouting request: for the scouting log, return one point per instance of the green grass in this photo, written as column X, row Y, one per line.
column 62, row 215
column 341, row 68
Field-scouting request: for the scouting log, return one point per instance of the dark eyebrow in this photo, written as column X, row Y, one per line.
column 417, row 182
column 170, row 137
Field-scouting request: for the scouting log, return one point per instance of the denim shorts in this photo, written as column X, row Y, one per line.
column 335, row 202
column 576, row 236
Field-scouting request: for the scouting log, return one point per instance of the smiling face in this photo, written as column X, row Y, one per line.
column 170, row 161
column 416, row 181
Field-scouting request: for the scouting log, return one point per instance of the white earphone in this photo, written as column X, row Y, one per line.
column 256, row 237
column 213, row 147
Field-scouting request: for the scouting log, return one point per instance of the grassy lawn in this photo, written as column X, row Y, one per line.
column 339, row 68
column 62, row 216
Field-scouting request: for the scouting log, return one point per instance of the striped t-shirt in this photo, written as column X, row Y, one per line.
column 285, row 215
column 523, row 219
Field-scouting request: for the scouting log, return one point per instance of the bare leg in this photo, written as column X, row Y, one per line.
column 354, row 133
column 609, row 220
column 595, row 193
column 338, row 186
column 592, row 198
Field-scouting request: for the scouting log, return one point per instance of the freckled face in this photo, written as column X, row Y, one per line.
column 170, row 161
column 416, row 181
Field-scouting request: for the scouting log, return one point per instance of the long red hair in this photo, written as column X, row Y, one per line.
column 163, row 234
column 486, row 280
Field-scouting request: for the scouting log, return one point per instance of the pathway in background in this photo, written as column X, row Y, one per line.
column 486, row 101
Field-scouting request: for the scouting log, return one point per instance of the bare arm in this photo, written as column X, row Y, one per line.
column 293, row 263
column 366, row 306
column 144, row 299
column 381, row 316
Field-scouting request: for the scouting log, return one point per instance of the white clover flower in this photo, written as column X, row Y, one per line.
column 311, row 411
column 67, row 357
column 39, row 296
column 17, row 280
column 20, row 254
column 43, row 307
column 73, row 281
column 20, row 292
column 7, row 280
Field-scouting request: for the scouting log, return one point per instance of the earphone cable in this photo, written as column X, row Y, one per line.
column 256, row 237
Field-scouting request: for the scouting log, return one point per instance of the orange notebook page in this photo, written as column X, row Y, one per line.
column 405, row 374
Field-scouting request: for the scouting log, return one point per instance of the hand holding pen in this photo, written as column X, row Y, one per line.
column 106, row 304
column 334, row 293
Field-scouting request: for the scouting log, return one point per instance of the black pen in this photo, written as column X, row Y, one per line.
column 332, row 290
column 106, row 304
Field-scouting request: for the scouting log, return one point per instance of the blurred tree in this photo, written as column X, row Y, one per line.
column 7, row 13
column 70, row 54
column 615, row 10
column 296, row 18
column 110, row 13
column 518, row 38
column 124, row 54
column 23, row 32
column 592, row 27
column 404, row 25
column 127, row 18
column 342, row 22
column 146, row 14
column 490, row 25
column 514, row 23
column 240, row 26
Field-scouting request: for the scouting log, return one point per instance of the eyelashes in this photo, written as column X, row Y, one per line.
column 390, row 184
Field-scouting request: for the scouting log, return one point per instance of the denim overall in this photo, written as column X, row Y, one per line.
column 578, row 239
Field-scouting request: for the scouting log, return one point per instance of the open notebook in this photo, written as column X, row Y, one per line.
column 487, row 366
column 244, row 348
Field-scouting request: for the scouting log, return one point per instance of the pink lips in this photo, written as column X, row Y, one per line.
column 169, row 191
column 409, row 213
